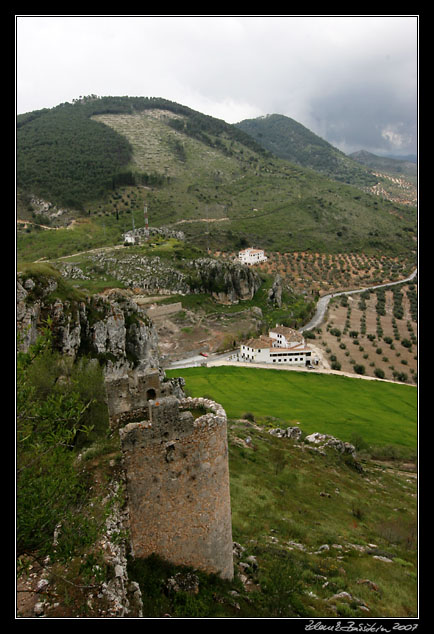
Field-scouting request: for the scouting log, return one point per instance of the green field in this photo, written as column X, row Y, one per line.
column 379, row 412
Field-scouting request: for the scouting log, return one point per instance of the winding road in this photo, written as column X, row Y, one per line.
column 227, row 358
column 323, row 302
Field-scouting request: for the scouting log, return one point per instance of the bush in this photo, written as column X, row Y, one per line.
column 249, row 416
column 359, row 369
column 282, row 588
column 50, row 417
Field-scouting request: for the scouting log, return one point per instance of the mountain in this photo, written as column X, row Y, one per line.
column 290, row 140
column 100, row 159
column 389, row 165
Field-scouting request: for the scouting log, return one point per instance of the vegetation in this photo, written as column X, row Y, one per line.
column 102, row 159
column 314, row 525
column 294, row 511
column 382, row 413
column 384, row 164
column 290, row 140
column 60, row 408
column 71, row 159
column 196, row 169
column 298, row 510
column 386, row 325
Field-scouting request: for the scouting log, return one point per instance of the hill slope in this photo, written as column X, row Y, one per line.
column 292, row 141
column 385, row 164
column 208, row 177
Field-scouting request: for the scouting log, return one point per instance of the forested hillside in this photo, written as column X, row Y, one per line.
column 210, row 179
column 68, row 157
column 290, row 140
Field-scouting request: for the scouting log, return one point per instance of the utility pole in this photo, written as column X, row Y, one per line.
column 145, row 215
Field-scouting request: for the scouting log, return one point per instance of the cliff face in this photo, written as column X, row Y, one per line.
column 111, row 328
column 228, row 282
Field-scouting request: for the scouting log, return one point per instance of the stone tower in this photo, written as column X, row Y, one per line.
column 178, row 484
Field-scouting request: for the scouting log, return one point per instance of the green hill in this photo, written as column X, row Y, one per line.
column 209, row 178
column 292, row 141
column 386, row 164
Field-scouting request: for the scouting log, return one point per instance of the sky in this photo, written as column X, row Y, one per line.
column 353, row 80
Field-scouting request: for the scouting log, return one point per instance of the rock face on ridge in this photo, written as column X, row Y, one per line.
column 112, row 329
column 227, row 282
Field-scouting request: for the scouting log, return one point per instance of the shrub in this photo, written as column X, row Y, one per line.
column 282, row 588
column 249, row 416
column 54, row 417
column 359, row 369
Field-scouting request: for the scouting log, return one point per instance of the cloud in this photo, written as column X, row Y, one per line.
column 351, row 79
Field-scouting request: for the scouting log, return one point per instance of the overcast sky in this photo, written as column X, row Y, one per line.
column 353, row 80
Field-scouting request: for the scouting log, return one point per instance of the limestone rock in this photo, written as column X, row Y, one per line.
column 330, row 441
column 275, row 293
column 113, row 329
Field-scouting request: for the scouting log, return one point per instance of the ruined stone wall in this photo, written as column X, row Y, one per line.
column 178, row 485
column 165, row 309
column 129, row 393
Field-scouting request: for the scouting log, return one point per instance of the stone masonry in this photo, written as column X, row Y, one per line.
column 178, row 484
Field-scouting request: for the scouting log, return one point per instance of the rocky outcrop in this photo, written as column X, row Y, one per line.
column 325, row 440
column 275, row 292
column 112, row 329
column 142, row 233
column 227, row 282
column 319, row 440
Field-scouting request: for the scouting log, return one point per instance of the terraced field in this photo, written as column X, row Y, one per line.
column 373, row 334
column 320, row 273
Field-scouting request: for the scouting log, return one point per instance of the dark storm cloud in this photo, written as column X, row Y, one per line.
column 363, row 118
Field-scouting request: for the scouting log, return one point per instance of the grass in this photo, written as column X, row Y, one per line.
column 252, row 191
column 302, row 541
column 275, row 493
column 379, row 412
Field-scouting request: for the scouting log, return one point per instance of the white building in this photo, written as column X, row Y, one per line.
column 129, row 238
column 252, row 256
column 283, row 345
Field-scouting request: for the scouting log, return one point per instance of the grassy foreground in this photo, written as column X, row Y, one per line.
column 380, row 413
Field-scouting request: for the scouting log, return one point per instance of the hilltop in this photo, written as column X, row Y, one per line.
column 290, row 140
column 392, row 179
column 98, row 158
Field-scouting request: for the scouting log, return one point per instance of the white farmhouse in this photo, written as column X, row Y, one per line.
column 252, row 256
column 129, row 238
column 283, row 345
